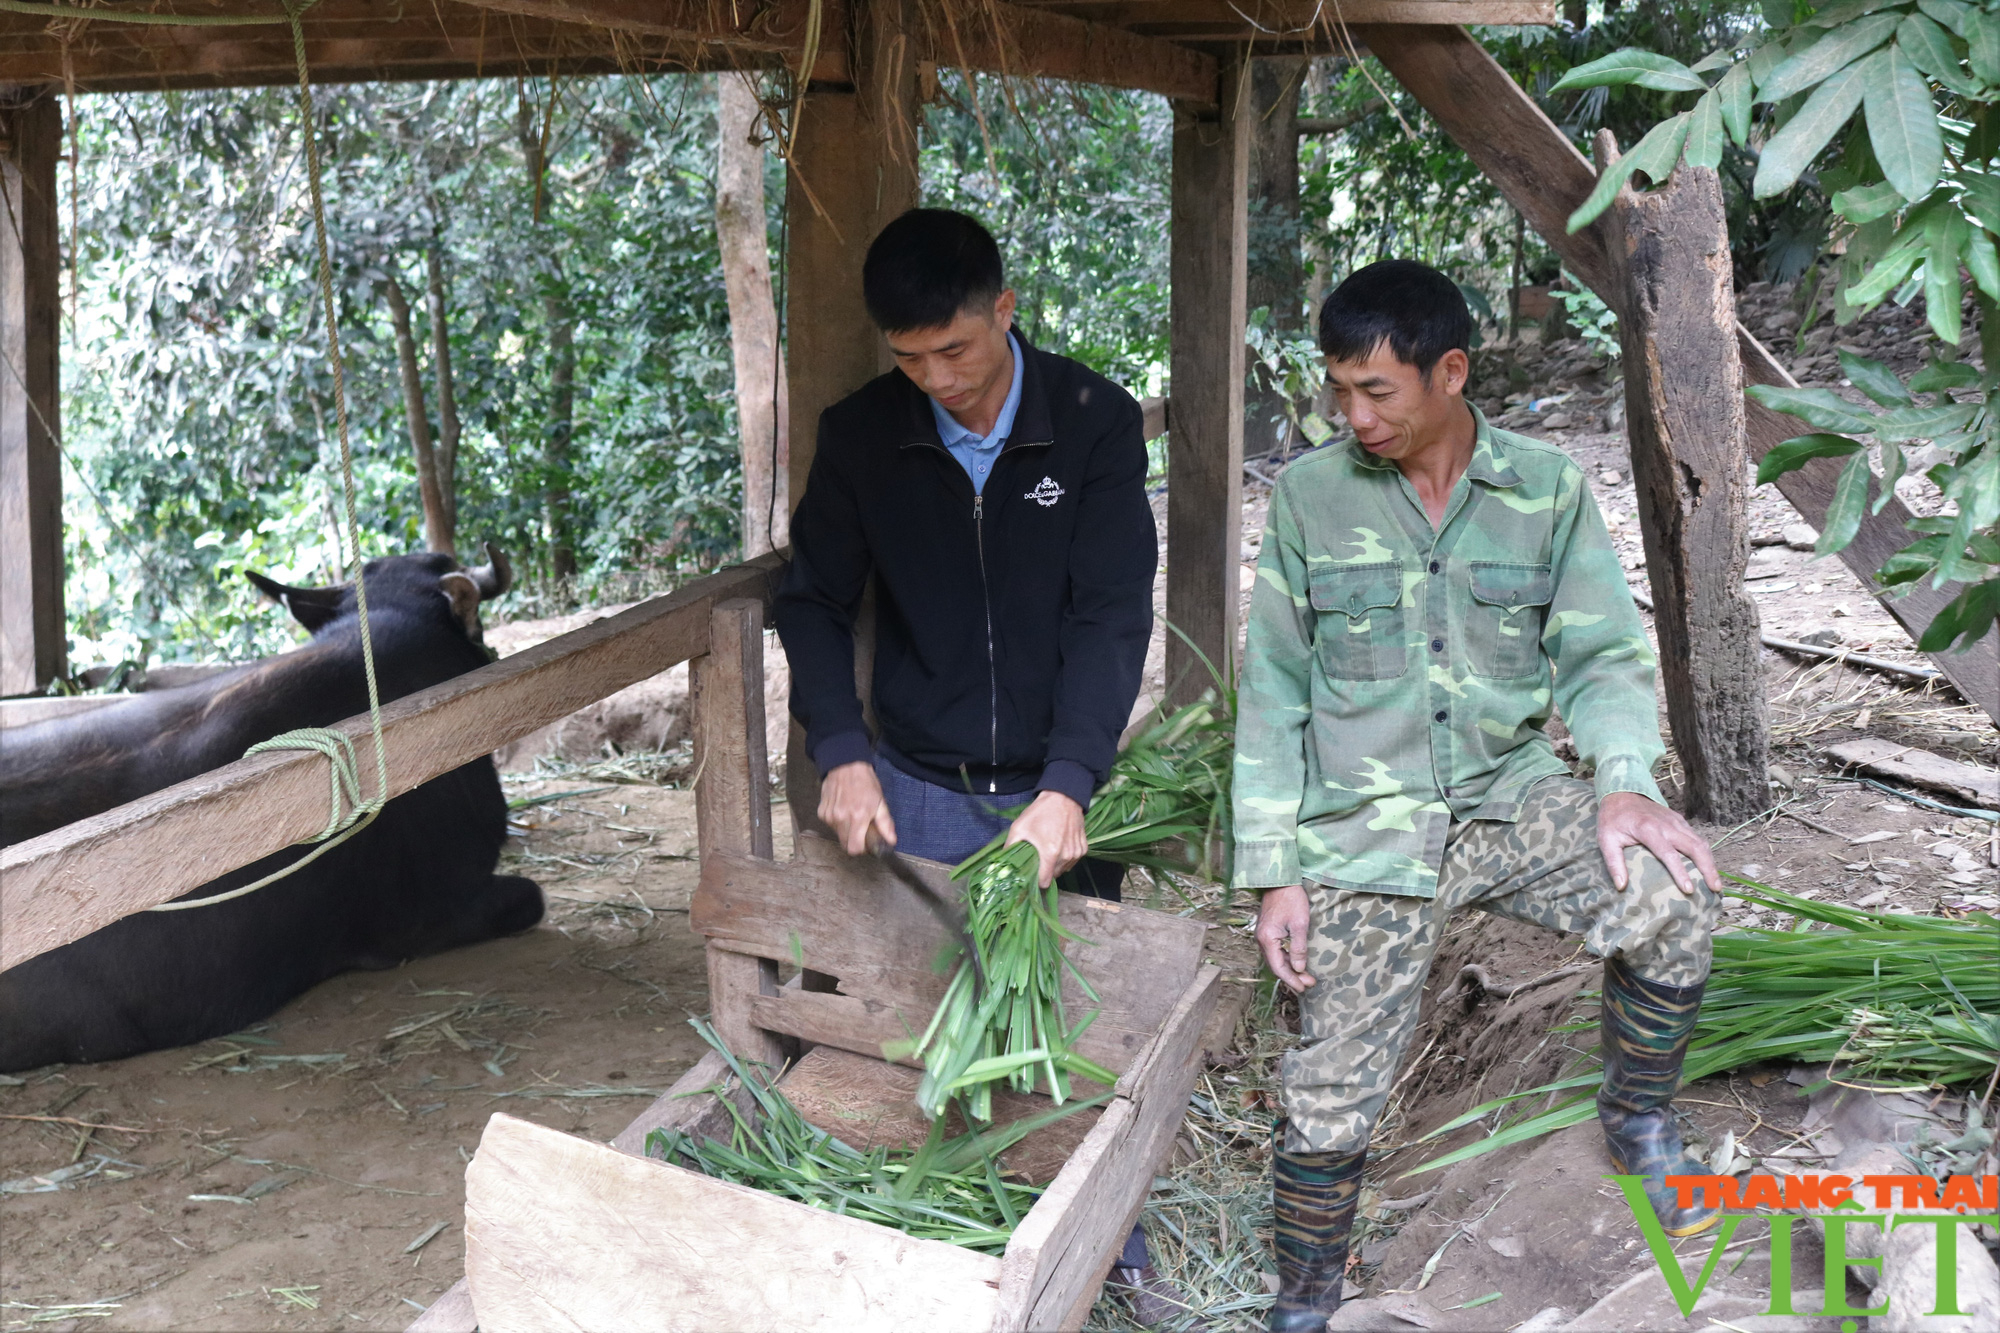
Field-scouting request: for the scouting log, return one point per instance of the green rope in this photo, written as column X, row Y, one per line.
column 350, row 812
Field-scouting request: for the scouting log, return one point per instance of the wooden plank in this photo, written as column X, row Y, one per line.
column 1041, row 42
column 854, row 920
column 733, row 791
column 346, row 41
column 997, row 37
column 1905, row 763
column 564, row 1234
column 680, row 1107
column 1060, row 1252
column 866, row 1103
column 1544, row 177
column 1209, row 241
column 65, row 884
column 33, row 647
column 449, row 1313
column 1684, row 409
column 676, row 1108
column 1300, row 24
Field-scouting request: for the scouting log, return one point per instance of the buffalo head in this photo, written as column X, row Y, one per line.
column 398, row 578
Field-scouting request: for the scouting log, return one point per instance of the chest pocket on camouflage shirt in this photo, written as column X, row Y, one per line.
column 1504, row 624
column 1360, row 629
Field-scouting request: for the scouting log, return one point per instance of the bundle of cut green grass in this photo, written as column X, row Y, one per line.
column 949, row 1189
column 1004, row 1018
column 1899, row 1000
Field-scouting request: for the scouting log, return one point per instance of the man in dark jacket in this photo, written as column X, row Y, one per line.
column 996, row 496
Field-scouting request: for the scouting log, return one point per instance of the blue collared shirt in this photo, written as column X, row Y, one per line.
column 975, row 453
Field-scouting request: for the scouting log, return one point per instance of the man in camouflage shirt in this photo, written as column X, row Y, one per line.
column 1425, row 594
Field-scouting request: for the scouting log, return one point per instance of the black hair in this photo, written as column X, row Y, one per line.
column 927, row 266
column 1414, row 308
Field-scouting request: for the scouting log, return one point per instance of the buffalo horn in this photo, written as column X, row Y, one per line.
column 495, row 576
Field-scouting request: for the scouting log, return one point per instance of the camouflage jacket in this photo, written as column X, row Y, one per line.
column 1397, row 678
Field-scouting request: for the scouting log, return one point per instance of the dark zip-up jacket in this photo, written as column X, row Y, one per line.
column 1010, row 627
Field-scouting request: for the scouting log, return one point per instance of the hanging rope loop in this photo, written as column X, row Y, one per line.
column 349, row 811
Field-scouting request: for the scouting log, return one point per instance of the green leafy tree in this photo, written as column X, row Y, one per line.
column 1893, row 106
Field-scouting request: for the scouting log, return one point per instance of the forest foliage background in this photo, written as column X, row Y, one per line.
column 586, row 317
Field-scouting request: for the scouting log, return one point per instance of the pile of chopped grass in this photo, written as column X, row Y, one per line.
column 951, row 1190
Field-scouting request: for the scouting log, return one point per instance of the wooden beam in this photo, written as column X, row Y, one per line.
column 1684, row 409
column 1018, row 39
column 1209, row 264
column 348, row 40
column 853, row 171
column 733, row 804
column 1544, row 177
column 65, row 884
column 1295, row 24
column 33, row 648
column 355, row 40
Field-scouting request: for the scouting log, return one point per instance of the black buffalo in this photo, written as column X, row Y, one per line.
column 417, row 881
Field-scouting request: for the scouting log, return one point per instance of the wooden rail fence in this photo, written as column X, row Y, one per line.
column 80, row 878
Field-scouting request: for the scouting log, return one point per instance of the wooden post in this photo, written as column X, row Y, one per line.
column 853, row 171
column 33, row 650
column 1209, row 222
column 733, row 802
column 1684, row 409
column 1542, row 175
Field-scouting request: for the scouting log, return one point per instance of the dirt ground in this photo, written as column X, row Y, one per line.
column 293, row 1177
column 309, row 1173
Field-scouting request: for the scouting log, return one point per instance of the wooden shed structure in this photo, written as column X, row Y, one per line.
column 859, row 64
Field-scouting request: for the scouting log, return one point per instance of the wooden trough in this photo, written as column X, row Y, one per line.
column 566, row 1233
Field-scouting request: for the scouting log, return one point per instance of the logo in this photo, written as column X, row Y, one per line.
column 1832, row 1199
column 1046, row 494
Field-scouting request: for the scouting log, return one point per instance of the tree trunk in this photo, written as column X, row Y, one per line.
column 742, row 237
column 1692, row 479
column 1277, row 278
column 562, row 419
column 437, row 522
column 448, row 425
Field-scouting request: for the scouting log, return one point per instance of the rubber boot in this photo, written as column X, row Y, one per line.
column 1314, row 1196
column 1646, row 1027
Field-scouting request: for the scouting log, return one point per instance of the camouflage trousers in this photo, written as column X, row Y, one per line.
column 1370, row 952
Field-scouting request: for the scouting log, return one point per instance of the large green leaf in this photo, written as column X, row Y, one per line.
column 1655, row 155
column 1885, row 277
column 1951, row 13
column 1734, row 91
column 1865, row 203
column 1793, row 454
column 1830, row 54
column 1943, row 375
column 1893, row 463
column 1968, row 616
column 1850, row 501
column 1704, row 136
column 1631, row 66
column 1792, row 149
column 1981, row 197
column 1816, row 407
column 1982, row 39
column 1929, row 48
column 1874, row 379
column 1902, row 122
column 1945, row 234
column 1925, row 423
column 1983, row 262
